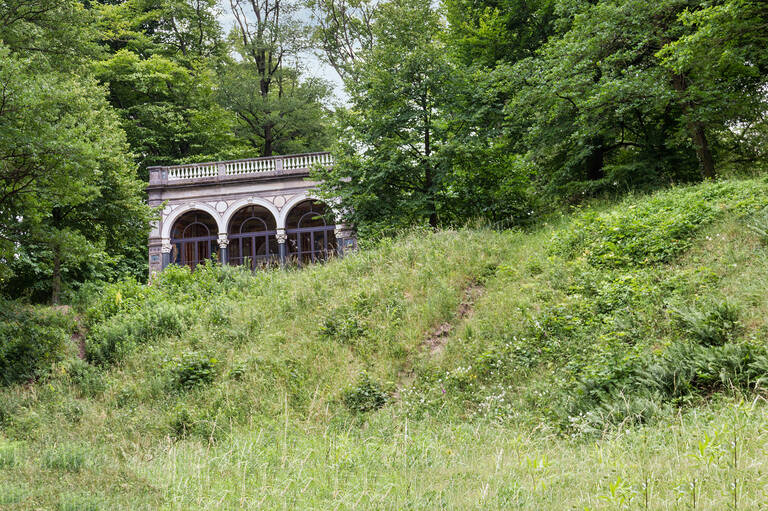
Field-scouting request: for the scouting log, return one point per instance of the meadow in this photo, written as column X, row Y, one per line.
column 609, row 358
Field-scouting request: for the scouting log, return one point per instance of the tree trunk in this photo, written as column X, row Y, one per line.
column 56, row 281
column 697, row 132
column 428, row 177
column 702, row 149
column 267, row 140
column 596, row 160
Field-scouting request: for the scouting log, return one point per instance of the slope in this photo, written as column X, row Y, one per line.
column 612, row 358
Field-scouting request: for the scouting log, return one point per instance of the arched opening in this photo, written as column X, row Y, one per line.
column 252, row 239
column 194, row 238
column 310, row 237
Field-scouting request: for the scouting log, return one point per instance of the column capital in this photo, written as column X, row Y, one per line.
column 281, row 236
column 166, row 247
column 223, row 240
column 342, row 231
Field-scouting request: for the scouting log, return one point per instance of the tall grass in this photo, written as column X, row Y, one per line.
column 318, row 388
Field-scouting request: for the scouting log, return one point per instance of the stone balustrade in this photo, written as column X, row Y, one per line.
column 251, row 167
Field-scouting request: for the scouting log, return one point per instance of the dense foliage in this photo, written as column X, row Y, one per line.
column 548, row 99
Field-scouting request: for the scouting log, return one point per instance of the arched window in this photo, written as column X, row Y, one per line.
column 252, row 239
column 310, row 237
column 194, row 239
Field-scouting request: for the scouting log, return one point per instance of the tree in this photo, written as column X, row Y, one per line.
column 161, row 74
column 269, row 37
column 58, row 33
column 723, row 64
column 290, row 119
column 599, row 110
column 343, row 30
column 187, row 31
column 169, row 112
column 66, row 181
column 390, row 166
column 484, row 33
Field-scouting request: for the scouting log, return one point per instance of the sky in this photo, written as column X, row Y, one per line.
column 313, row 65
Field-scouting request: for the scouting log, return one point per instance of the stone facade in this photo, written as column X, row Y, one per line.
column 221, row 189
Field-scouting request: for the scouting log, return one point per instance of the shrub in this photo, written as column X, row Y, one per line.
column 31, row 340
column 656, row 229
column 342, row 325
column 710, row 324
column 365, row 396
column 88, row 379
column 112, row 340
column 102, row 301
column 181, row 422
column 636, row 388
column 237, row 372
column 192, row 370
column 186, row 421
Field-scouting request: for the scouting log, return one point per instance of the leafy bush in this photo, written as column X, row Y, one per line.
column 237, row 372
column 88, row 379
column 341, row 325
column 192, row 370
column 656, row 229
column 635, row 388
column 208, row 279
column 31, row 340
column 711, row 324
column 110, row 341
column 99, row 301
column 186, row 421
column 365, row 396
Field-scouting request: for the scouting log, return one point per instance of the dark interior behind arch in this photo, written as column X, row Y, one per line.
column 311, row 232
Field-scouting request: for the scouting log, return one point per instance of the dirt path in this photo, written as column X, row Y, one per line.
column 437, row 340
column 435, row 343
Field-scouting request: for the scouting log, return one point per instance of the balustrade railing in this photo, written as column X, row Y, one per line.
column 240, row 167
column 195, row 171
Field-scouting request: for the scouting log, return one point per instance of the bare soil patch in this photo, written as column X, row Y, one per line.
column 437, row 340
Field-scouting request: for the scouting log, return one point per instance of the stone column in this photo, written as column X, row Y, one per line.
column 282, row 238
column 345, row 241
column 223, row 248
column 165, row 249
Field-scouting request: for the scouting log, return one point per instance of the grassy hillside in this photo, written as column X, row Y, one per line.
column 615, row 358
